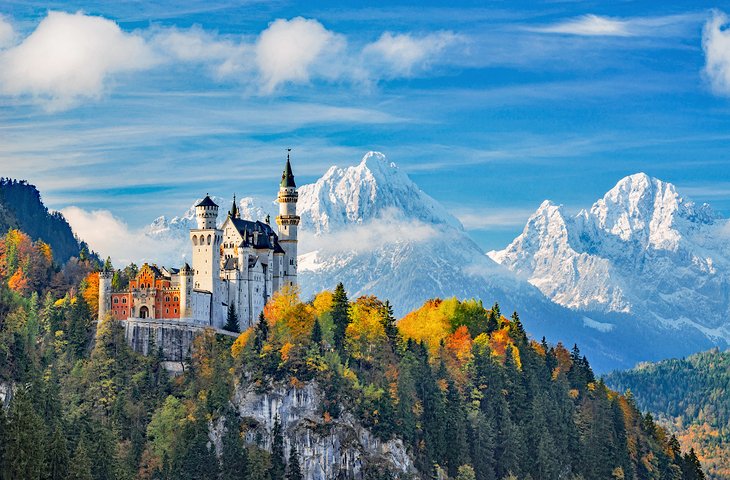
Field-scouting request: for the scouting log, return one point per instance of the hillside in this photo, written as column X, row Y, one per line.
column 318, row 390
column 21, row 207
column 691, row 396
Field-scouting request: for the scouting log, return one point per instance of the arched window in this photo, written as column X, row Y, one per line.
column 175, row 299
column 167, row 298
column 116, row 300
column 195, row 240
column 209, row 238
column 124, row 300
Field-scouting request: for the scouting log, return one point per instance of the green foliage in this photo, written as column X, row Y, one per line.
column 232, row 320
column 234, row 457
column 294, row 471
column 278, row 462
column 80, row 464
column 340, row 316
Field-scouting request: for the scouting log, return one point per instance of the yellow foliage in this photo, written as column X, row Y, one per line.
column 322, row 303
column 290, row 319
column 429, row 324
column 285, row 349
column 365, row 334
column 241, row 342
column 91, row 291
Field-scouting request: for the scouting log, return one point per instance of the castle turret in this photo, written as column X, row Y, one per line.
column 105, row 291
column 206, row 243
column 186, row 291
column 288, row 221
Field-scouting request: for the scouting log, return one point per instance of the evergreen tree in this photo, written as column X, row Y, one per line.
column 234, row 457
column 294, row 470
column 457, row 450
column 691, row 468
column 278, row 462
column 340, row 316
column 316, row 336
column 390, row 327
column 57, row 456
column 232, row 324
column 493, row 319
column 194, row 459
column 80, row 468
column 261, row 334
column 466, row 472
column 24, row 440
column 482, row 447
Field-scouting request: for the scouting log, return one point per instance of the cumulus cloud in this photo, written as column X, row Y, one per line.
column 716, row 43
column 7, row 33
column 402, row 54
column 287, row 50
column 70, row 57
column 109, row 236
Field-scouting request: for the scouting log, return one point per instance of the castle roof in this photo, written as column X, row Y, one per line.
column 247, row 228
column 207, row 202
column 287, row 177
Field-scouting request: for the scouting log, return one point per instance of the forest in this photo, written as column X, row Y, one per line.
column 464, row 387
column 690, row 397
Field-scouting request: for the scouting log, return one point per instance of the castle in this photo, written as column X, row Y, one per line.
column 240, row 265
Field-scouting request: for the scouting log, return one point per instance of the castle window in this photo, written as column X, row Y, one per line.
column 175, row 299
column 176, row 310
column 116, row 300
column 209, row 239
column 195, row 240
column 167, row 310
column 167, row 298
column 124, row 300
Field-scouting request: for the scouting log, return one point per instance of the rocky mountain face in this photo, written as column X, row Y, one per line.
column 326, row 450
column 642, row 250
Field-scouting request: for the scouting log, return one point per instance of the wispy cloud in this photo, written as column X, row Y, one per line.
column 596, row 25
column 402, row 54
column 716, row 43
column 490, row 218
column 70, row 57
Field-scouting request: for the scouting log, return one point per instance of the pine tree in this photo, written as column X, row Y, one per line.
column 294, row 471
column 234, row 457
column 57, row 456
column 691, row 467
column 232, row 324
column 482, row 447
column 391, row 329
column 340, row 316
column 278, row 462
column 457, row 450
column 316, row 336
column 24, row 440
column 80, row 468
column 493, row 319
column 261, row 334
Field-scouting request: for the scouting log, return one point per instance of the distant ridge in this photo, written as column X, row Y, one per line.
column 21, row 207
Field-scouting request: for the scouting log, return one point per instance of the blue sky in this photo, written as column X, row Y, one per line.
column 491, row 107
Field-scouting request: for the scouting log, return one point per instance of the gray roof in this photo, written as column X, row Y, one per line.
column 207, row 202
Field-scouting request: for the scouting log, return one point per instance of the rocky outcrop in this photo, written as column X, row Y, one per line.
column 329, row 449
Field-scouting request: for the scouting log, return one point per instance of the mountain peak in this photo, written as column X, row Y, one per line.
column 364, row 192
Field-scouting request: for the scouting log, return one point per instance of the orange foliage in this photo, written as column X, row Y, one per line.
column 91, row 291
column 289, row 318
column 460, row 343
column 241, row 342
column 498, row 343
column 564, row 362
column 19, row 282
column 285, row 349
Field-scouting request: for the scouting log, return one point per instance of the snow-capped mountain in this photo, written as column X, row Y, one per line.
column 370, row 227
column 642, row 249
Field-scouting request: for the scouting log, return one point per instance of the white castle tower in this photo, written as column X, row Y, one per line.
column 186, row 292
column 105, row 290
column 288, row 221
column 206, row 240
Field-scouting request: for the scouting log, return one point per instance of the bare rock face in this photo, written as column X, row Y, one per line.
column 338, row 448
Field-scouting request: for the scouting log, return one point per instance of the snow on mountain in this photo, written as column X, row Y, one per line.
column 642, row 250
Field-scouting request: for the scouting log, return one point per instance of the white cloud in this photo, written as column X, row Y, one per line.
column 589, row 25
column 288, row 49
column 487, row 218
column 109, row 236
column 403, row 54
column 7, row 33
column 70, row 57
column 716, row 43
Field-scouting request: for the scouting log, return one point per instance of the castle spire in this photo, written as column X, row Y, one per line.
column 287, row 177
column 234, row 208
